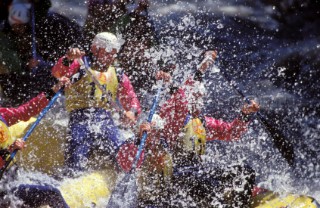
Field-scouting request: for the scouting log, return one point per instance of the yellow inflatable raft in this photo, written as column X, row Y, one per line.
column 44, row 153
column 274, row 200
column 88, row 190
column 45, row 145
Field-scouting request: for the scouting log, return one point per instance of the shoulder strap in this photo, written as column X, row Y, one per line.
column 203, row 120
column 119, row 73
column 2, row 119
column 186, row 121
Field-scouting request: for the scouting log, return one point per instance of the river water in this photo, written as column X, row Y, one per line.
column 271, row 51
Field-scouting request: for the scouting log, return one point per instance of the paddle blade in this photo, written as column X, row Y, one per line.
column 284, row 146
column 125, row 194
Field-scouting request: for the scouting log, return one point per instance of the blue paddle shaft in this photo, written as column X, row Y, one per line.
column 33, row 27
column 145, row 134
column 42, row 114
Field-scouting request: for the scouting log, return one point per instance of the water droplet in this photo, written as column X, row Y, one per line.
column 220, row 26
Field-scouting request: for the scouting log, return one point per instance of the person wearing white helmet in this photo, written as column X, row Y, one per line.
column 34, row 34
column 91, row 125
column 19, row 18
column 19, row 13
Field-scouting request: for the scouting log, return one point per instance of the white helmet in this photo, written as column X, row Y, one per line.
column 19, row 13
column 108, row 41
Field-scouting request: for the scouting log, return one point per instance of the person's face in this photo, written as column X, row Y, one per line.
column 102, row 59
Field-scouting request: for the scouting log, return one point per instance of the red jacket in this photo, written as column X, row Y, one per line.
column 126, row 93
column 25, row 111
column 175, row 110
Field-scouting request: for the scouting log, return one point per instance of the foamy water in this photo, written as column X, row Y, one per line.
column 255, row 148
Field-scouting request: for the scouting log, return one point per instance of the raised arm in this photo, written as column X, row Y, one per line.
column 230, row 131
column 25, row 111
column 33, row 107
column 128, row 97
column 68, row 65
column 227, row 131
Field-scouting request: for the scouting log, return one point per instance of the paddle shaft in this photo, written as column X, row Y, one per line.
column 145, row 134
column 281, row 143
column 34, row 125
column 33, row 28
column 128, row 183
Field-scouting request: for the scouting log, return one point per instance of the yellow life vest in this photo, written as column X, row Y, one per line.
column 84, row 93
column 194, row 137
column 193, row 140
column 5, row 137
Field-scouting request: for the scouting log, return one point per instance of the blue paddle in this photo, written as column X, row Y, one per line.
column 33, row 36
column 33, row 28
column 34, row 125
column 126, row 189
